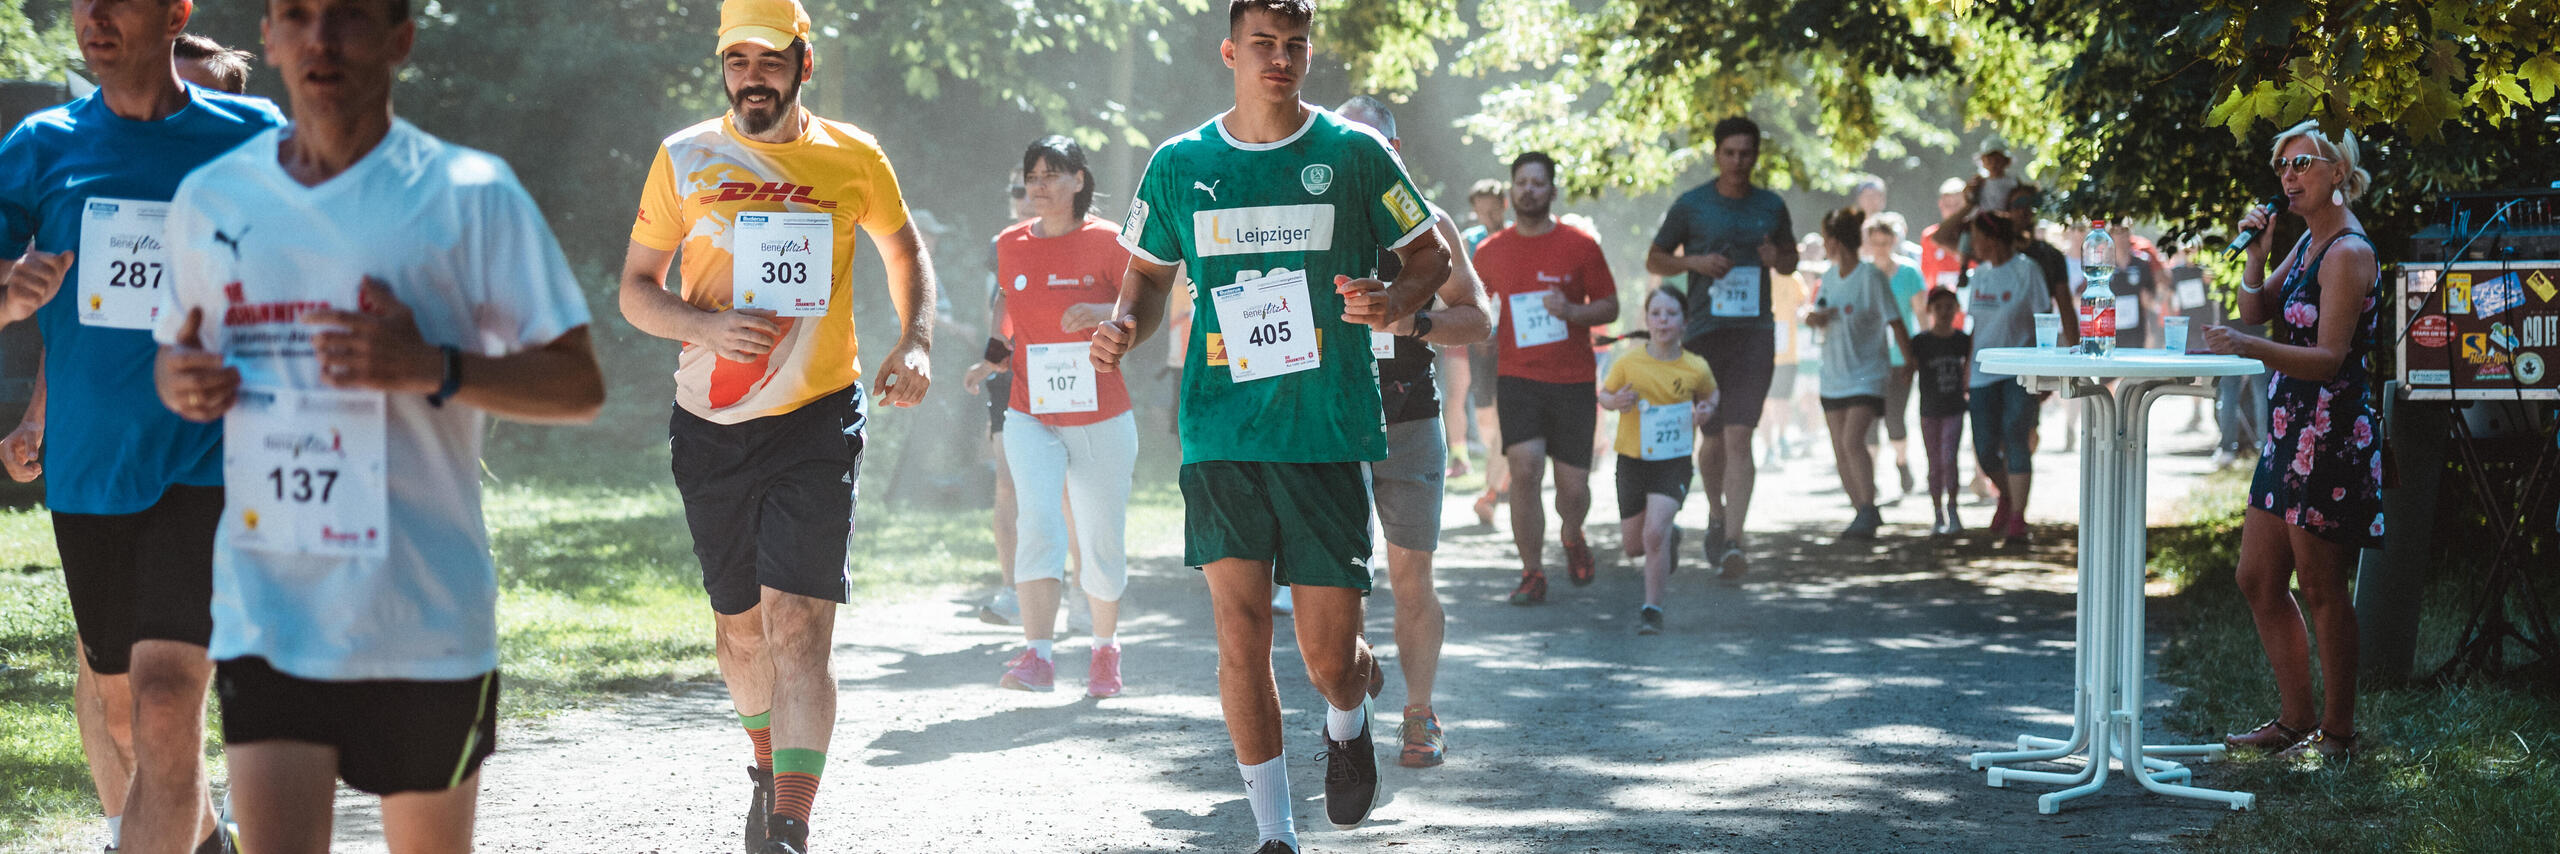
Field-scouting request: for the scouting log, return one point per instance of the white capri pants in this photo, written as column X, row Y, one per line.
column 1093, row 466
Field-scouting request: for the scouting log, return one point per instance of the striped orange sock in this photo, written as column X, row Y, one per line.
column 760, row 730
column 795, row 781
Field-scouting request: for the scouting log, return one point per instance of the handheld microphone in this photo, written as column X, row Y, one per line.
column 2276, row 206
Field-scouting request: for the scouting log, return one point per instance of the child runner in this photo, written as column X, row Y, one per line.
column 1942, row 354
column 1662, row 395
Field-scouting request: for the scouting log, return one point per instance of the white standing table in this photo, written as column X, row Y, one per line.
column 2107, row 663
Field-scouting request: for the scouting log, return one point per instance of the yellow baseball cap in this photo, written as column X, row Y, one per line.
column 772, row 24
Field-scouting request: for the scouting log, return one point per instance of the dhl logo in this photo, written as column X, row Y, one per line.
column 749, row 191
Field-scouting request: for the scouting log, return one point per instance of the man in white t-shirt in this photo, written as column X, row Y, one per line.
column 352, row 297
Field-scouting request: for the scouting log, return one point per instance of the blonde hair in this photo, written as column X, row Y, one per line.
column 2342, row 150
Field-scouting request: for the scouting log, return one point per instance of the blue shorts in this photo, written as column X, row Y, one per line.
column 2004, row 426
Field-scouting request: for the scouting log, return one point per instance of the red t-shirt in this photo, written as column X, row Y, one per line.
column 1041, row 278
column 1940, row 267
column 1564, row 258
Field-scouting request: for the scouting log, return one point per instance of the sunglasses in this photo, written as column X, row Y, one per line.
column 2296, row 164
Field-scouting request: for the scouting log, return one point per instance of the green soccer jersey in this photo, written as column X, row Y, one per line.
column 1322, row 202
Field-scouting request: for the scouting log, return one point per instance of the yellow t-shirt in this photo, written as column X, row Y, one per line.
column 706, row 175
column 1657, row 382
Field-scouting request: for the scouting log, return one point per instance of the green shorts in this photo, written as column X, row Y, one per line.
column 1309, row 520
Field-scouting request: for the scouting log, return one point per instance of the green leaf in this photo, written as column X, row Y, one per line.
column 2543, row 73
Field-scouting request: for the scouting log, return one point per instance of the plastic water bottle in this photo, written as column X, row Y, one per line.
column 2098, row 297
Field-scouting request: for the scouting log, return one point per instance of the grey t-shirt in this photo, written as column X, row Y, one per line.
column 1855, row 344
column 2006, row 299
column 1703, row 221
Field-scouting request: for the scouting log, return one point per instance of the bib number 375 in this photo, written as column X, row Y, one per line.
column 303, row 473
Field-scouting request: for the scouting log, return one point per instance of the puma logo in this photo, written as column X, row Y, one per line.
column 230, row 240
column 1210, row 188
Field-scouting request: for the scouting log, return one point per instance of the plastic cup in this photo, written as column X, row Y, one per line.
column 2048, row 330
column 2173, row 334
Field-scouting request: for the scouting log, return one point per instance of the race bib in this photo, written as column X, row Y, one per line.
column 123, row 261
column 1062, row 378
column 1531, row 324
column 1737, row 294
column 784, row 262
column 2190, row 294
column 302, row 473
column 1666, row 431
column 1382, row 344
column 1268, row 325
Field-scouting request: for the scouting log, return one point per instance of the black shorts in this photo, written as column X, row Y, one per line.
column 770, row 501
column 1640, row 478
column 1744, row 360
column 1870, row 401
column 999, row 395
column 1564, row 414
column 141, row 576
column 392, row 736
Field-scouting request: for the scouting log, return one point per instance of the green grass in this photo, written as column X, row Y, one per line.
column 600, row 598
column 2441, row 768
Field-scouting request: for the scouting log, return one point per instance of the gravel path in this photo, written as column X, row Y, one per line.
column 1826, row 705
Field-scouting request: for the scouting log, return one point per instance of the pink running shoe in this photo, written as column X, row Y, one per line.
column 1103, row 678
column 1026, row 672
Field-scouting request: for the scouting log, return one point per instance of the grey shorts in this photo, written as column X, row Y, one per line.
column 1406, row 486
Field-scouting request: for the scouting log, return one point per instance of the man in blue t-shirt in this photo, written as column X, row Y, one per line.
column 137, row 490
column 1729, row 237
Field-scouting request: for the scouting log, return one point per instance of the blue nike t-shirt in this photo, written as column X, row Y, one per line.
column 110, row 447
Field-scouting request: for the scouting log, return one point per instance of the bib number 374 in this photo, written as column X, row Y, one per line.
column 785, row 263
column 303, row 473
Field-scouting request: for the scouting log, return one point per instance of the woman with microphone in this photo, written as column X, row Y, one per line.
column 2316, row 498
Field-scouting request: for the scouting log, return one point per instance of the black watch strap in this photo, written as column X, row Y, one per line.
column 452, row 376
column 1421, row 323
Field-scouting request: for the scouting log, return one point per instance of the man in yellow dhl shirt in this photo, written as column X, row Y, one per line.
column 767, row 433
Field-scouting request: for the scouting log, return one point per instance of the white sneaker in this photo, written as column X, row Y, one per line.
column 1001, row 609
column 1280, row 604
column 2223, row 458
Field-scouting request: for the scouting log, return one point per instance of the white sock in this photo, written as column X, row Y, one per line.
column 1042, row 649
column 1105, row 641
column 115, row 831
column 1266, row 787
column 1345, row 724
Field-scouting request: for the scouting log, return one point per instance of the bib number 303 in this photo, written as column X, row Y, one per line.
column 303, row 473
column 785, row 263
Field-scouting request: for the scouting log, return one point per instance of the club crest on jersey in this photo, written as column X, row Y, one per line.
column 1317, row 178
column 749, row 191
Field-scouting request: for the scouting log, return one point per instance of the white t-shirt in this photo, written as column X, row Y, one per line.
column 2006, row 300
column 456, row 238
column 1856, row 347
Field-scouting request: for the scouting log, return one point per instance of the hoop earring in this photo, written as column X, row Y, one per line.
column 2338, row 198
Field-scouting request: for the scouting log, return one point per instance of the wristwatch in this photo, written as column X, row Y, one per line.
column 1421, row 323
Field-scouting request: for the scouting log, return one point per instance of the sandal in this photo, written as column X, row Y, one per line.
column 2329, row 746
column 2272, row 735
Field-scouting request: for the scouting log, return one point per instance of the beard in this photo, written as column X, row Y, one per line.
column 755, row 121
column 1522, row 208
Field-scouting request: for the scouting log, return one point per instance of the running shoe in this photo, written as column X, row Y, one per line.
column 1532, row 589
column 759, row 808
column 1281, row 606
column 1001, row 609
column 789, row 836
column 1579, row 568
column 1864, row 525
column 1731, row 565
column 1424, row 746
column 1102, row 679
column 1027, row 672
column 1350, row 776
column 1275, row 847
column 1484, row 508
column 1649, row 621
column 1713, row 546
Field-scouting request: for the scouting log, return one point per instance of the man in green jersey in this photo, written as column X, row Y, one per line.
column 1279, row 210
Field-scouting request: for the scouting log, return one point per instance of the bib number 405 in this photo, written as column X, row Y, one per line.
column 1268, row 333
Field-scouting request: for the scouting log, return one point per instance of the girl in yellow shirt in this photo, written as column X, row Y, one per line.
column 1662, row 395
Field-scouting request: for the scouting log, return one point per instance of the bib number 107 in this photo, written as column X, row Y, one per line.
column 302, row 485
column 1268, row 333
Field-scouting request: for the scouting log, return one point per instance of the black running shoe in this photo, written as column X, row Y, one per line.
column 759, row 808
column 1275, row 847
column 785, row 835
column 1649, row 621
column 1350, row 776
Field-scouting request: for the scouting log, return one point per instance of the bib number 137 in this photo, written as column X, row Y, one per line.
column 303, row 473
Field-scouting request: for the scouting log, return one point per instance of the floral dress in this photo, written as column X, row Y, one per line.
column 2321, row 469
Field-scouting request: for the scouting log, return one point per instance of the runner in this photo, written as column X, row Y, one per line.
column 1729, row 237
column 352, row 298
column 1883, row 239
column 770, row 417
column 2009, row 288
column 205, row 62
column 1267, row 205
column 1490, row 202
column 990, row 377
column 1553, row 285
column 136, row 490
column 1408, row 484
column 1856, row 310
column 1066, row 429
column 1662, row 394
